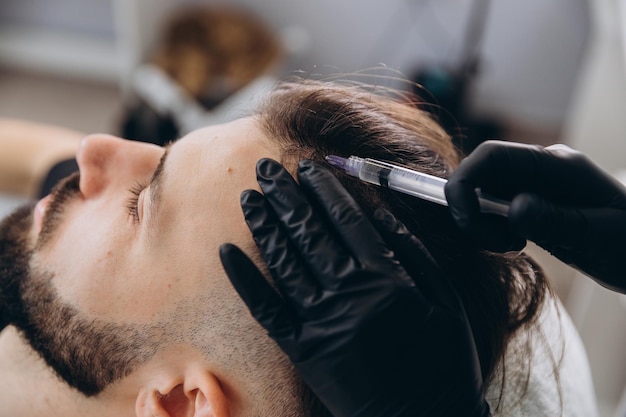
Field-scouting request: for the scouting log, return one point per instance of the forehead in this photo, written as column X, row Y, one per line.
column 220, row 160
column 242, row 137
column 205, row 174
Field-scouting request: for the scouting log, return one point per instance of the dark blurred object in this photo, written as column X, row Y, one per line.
column 445, row 91
column 206, row 54
column 142, row 123
column 59, row 171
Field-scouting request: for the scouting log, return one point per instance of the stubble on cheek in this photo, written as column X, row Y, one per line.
column 67, row 190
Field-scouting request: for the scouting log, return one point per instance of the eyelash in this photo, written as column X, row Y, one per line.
column 133, row 201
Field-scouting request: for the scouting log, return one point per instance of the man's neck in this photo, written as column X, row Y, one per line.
column 28, row 387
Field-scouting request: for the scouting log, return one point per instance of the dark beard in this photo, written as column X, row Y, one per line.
column 13, row 262
column 88, row 354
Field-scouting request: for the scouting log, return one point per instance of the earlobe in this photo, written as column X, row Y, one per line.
column 201, row 395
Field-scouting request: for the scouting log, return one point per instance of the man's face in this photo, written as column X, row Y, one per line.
column 135, row 236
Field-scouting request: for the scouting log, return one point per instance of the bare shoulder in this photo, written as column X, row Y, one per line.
column 29, row 149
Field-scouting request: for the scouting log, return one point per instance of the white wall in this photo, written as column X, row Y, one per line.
column 86, row 16
column 532, row 48
column 596, row 125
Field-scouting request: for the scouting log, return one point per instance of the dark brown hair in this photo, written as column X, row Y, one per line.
column 502, row 293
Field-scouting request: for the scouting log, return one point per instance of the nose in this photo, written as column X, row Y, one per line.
column 106, row 161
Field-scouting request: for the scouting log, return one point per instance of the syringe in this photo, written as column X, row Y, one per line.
column 407, row 181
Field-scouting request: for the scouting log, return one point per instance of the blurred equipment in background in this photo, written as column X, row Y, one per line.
column 446, row 90
column 210, row 66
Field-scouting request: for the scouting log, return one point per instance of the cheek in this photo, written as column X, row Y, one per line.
column 80, row 256
column 95, row 266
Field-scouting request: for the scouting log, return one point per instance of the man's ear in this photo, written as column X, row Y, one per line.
column 200, row 395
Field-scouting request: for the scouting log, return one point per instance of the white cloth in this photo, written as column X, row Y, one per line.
column 555, row 342
column 166, row 97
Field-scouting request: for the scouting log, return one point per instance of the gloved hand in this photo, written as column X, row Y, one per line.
column 4, row 321
column 371, row 325
column 560, row 200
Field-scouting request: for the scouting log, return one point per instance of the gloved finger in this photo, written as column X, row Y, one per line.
column 489, row 231
column 314, row 240
column 288, row 269
column 545, row 223
column 503, row 169
column 433, row 284
column 262, row 300
column 571, row 178
column 554, row 226
column 359, row 236
column 486, row 167
column 494, row 233
column 497, row 168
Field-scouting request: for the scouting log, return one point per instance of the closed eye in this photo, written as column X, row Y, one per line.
column 133, row 201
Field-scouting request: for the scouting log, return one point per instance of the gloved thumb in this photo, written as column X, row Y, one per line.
column 553, row 227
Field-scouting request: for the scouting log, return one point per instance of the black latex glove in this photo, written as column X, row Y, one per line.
column 560, row 200
column 360, row 332
column 4, row 321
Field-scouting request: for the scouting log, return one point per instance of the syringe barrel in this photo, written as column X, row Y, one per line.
column 404, row 180
column 418, row 184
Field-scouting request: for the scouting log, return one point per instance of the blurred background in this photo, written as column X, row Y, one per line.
column 535, row 71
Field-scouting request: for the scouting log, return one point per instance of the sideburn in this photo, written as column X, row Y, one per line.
column 14, row 255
